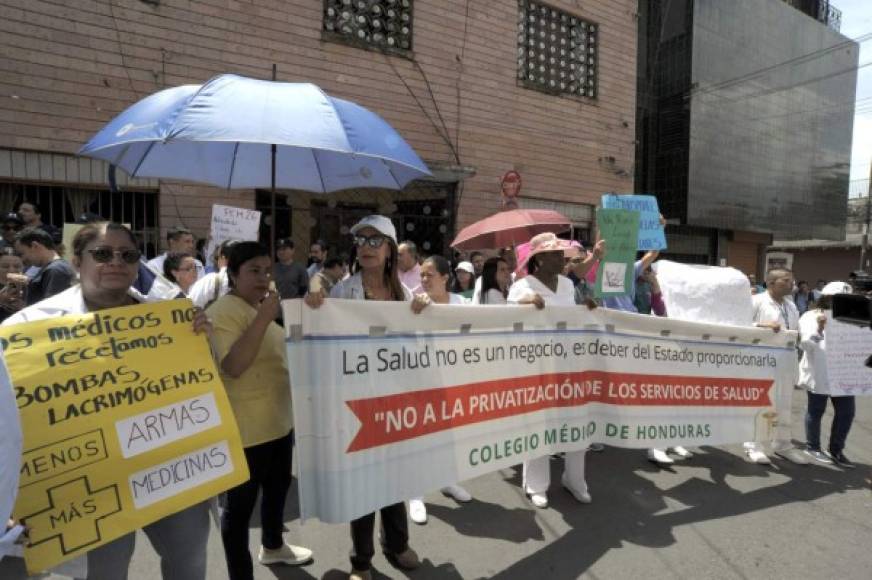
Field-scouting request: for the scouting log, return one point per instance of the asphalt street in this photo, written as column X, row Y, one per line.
column 712, row 516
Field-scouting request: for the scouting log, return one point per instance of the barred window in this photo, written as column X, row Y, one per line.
column 557, row 52
column 382, row 24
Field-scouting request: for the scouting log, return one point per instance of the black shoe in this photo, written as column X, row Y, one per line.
column 842, row 461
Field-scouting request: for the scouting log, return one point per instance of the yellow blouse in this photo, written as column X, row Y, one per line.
column 261, row 396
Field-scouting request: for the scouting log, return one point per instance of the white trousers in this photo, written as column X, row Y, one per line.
column 537, row 472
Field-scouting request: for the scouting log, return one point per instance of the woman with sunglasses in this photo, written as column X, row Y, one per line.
column 251, row 349
column 435, row 276
column 375, row 276
column 107, row 259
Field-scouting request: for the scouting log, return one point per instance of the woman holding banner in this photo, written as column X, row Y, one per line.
column 107, row 259
column 544, row 285
column 435, row 276
column 495, row 280
column 375, row 276
column 250, row 348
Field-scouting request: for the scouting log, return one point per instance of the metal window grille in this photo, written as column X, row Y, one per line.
column 557, row 52
column 380, row 24
column 135, row 207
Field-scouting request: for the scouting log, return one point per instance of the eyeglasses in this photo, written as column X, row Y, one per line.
column 373, row 241
column 105, row 255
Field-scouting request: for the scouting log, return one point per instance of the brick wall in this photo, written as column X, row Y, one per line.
column 68, row 66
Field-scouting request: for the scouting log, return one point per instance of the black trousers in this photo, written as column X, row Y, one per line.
column 395, row 528
column 270, row 467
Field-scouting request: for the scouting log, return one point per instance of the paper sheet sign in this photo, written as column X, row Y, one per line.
column 651, row 236
column 125, row 421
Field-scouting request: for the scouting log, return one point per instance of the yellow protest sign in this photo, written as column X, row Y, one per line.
column 125, row 421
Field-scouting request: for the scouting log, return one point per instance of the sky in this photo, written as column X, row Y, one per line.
column 857, row 20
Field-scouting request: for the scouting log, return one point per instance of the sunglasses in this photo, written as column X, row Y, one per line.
column 105, row 255
column 372, row 241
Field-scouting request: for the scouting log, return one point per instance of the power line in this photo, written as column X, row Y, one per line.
column 763, row 71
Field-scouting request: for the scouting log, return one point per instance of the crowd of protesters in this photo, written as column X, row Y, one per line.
column 240, row 287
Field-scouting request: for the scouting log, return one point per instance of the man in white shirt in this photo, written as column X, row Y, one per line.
column 179, row 239
column 410, row 270
column 772, row 309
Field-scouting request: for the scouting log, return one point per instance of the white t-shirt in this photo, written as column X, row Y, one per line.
column 765, row 309
column 813, row 366
column 209, row 288
column 527, row 286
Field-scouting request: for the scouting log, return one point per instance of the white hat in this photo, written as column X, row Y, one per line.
column 466, row 267
column 376, row 222
column 836, row 288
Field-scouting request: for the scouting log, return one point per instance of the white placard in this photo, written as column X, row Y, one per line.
column 232, row 223
column 705, row 293
column 847, row 348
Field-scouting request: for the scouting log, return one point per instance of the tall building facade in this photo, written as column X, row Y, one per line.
column 546, row 89
column 744, row 124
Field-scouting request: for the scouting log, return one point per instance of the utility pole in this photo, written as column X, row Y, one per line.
column 865, row 243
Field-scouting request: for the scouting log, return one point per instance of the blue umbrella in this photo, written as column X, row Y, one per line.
column 237, row 132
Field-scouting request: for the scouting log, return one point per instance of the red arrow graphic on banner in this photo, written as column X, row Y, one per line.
column 402, row 416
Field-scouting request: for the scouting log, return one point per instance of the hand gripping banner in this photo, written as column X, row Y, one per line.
column 390, row 405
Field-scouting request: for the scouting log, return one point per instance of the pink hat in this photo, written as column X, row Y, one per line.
column 545, row 242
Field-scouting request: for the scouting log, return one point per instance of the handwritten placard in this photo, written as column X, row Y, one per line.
column 125, row 421
column 847, row 348
column 232, row 223
column 620, row 230
column 651, row 236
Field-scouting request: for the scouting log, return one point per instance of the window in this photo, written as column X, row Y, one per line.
column 557, row 52
column 381, row 24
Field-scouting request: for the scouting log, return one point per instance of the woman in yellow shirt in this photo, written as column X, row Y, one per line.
column 251, row 354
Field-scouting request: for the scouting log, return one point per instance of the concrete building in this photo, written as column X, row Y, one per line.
column 477, row 88
column 745, row 124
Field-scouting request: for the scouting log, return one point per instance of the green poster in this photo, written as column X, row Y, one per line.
column 620, row 230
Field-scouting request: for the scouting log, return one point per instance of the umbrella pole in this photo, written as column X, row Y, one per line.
column 272, row 205
column 272, row 193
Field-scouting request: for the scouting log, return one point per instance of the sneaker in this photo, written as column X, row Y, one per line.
column 842, row 461
column 659, row 457
column 681, row 452
column 287, row 554
column 581, row 496
column 819, row 456
column 540, row 500
column 407, row 560
column 757, row 456
column 418, row 511
column 597, row 447
column 457, row 492
column 793, row 455
column 360, row 575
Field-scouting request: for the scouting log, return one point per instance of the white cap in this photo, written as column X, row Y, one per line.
column 836, row 288
column 376, row 222
column 466, row 267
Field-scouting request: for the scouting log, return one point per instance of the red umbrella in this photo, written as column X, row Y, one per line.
column 510, row 227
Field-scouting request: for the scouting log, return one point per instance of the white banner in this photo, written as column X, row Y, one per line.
column 847, row 348
column 389, row 405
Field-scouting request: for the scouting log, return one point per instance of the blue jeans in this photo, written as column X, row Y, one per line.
column 843, row 408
